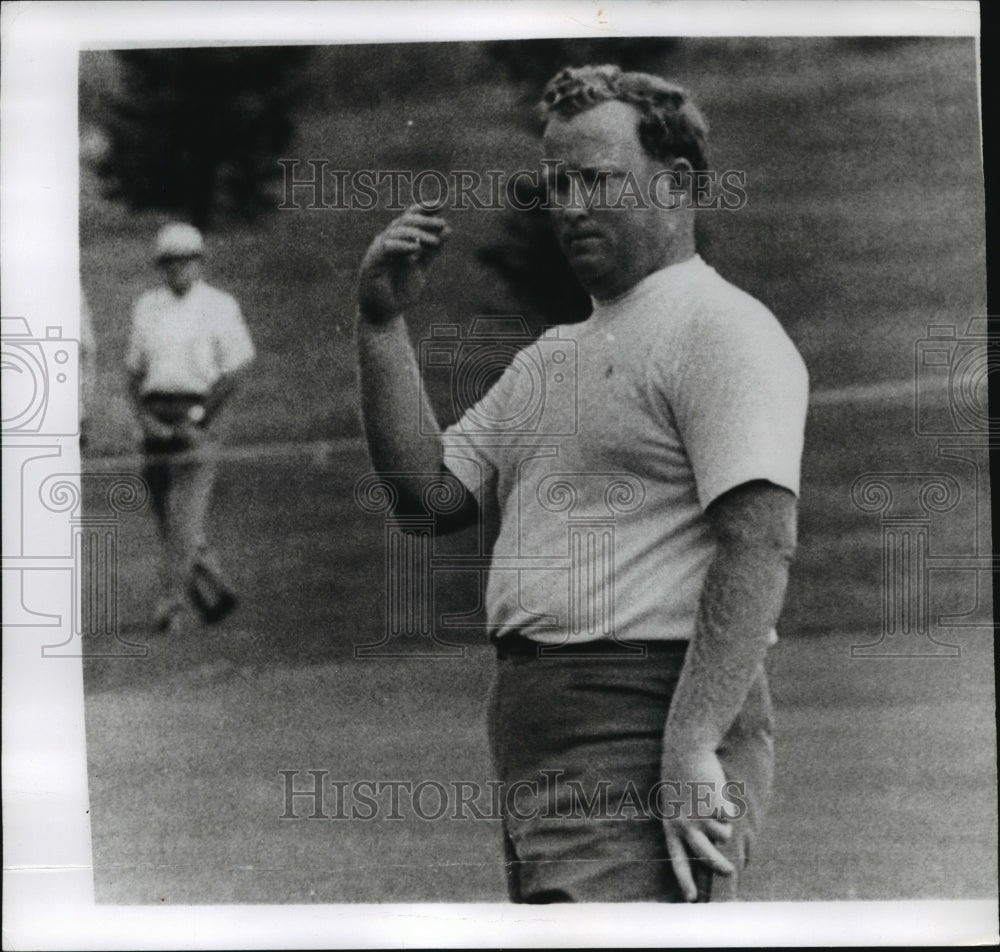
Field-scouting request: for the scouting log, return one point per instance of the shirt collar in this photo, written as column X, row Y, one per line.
column 672, row 276
column 192, row 292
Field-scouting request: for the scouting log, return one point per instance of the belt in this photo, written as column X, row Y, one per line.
column 517, row 646
column 174, row 395
column 172, row 408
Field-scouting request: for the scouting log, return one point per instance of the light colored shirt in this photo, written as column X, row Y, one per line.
column 604, row 442
column 185, row 344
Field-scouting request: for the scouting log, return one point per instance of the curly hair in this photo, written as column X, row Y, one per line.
column 670, row 125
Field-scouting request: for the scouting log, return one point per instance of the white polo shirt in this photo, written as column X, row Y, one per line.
column 185, row 344
column 664, row 399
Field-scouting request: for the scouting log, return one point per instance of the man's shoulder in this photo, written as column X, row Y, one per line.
column 209, row 294
column 152, row 299
column 726, row 326
column 694, row 296
column 722, row 308
column 719, row 297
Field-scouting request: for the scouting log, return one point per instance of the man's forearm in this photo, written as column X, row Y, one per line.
column 221, row 391
column 404, row 439
column 135, row 392
column 741, row 600
column 400, row 426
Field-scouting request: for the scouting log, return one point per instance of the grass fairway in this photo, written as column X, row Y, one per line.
column 864, row 225
column 884, row 783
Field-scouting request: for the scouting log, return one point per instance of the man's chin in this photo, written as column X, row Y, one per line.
column 589, row 268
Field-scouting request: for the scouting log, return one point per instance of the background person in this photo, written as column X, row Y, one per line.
column 188, row 344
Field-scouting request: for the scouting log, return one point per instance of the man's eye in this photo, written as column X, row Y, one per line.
column 589, row 178
column 559, row 183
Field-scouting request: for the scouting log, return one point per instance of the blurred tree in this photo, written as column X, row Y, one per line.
column 529, row 260
column 531, row 63
column 199, row 130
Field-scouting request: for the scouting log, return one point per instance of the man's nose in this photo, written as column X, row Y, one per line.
column 572, row 204
column 577, row 200
column 576, row 211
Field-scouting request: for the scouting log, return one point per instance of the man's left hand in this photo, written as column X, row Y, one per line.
column 703, row 823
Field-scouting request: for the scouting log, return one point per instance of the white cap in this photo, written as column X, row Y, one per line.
column 178, row 240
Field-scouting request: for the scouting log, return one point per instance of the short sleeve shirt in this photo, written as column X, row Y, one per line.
column 185, row 344
column 604, row 442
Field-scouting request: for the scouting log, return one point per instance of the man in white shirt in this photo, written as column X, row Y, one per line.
column 675, row 412
column 188, row 345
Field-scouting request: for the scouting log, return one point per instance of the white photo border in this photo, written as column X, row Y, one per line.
column 47, row 858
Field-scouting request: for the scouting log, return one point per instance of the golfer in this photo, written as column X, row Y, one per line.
column 188, row 346
column 639, row 680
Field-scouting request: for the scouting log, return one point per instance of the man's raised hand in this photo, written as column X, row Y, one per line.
column 394, row 269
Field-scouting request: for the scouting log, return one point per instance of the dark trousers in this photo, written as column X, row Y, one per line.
column 567, row 726
column 181, row 479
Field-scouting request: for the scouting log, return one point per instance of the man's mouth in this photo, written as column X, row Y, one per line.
column 577, row 241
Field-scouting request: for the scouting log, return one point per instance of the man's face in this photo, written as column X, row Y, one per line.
column 610, row 249
column 180, row 273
